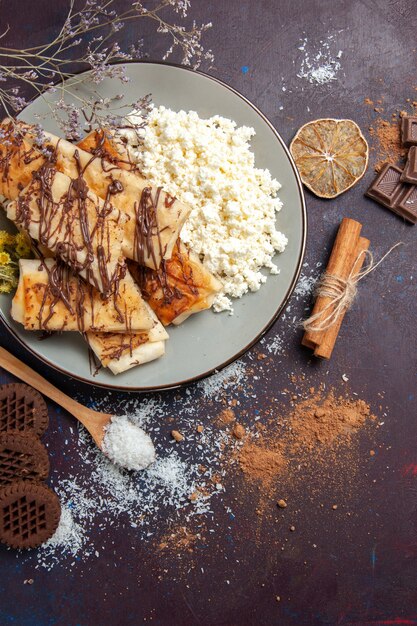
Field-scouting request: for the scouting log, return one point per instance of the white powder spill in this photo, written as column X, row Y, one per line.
column 276, row 344
column 69, row 537
column 127, row 444
column 95, row 494
column 305, row 285
column 306, row 282
column 319, row 64
column 230, row 376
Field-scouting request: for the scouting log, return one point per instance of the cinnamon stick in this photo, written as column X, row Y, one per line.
column 325, row 349
column 340, row 264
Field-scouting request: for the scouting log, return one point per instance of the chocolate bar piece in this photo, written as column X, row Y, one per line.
column 409, row 130
column 407, row 207
column 388, row 189
column 409, row 174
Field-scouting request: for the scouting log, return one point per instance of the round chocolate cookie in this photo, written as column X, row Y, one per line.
column 22, row 455
column 29, row 514
column 22, row 408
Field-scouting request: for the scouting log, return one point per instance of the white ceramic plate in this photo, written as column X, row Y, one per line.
column 205, row 342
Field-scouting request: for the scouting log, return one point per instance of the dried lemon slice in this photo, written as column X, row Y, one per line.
column 330, row 155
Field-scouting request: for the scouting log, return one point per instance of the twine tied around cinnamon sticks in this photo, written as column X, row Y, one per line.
column 337, row 288
column 341, row 292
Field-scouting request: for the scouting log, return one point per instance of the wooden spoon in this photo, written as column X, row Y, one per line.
column 94, row 421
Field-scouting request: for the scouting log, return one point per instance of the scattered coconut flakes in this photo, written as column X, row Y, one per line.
column 318, row 66
column 174, row 479
column 306, row 283
column 276, row 344
column 98, row 494
column 229, row 376
column 69, row 539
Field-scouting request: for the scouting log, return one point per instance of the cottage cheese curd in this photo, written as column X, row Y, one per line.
column 208, row 164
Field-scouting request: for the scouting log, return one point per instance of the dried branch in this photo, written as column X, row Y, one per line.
column 89, row 32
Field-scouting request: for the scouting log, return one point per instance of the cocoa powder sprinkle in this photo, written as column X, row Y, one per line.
column 226, row 416
column 259, row 462
column 388, row 137
column 325, row 419
column 320, row 422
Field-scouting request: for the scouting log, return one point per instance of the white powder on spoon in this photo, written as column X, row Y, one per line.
column 127, row 445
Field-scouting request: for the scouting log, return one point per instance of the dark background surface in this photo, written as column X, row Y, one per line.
column 364, row 570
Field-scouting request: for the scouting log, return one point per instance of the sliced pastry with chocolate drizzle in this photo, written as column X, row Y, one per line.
column 156, row 218
column 64, row 215
column 111, row 147
column 182, row 286
column 122, row 351
column 50, row 297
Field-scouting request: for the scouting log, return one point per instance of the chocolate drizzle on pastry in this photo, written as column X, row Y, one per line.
column 171, row 289
column 146, row 227
column 102, row 144
column 59, row 289
column 76, row 294
column 18, row 158
column 116, row 344
column 59, row 219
